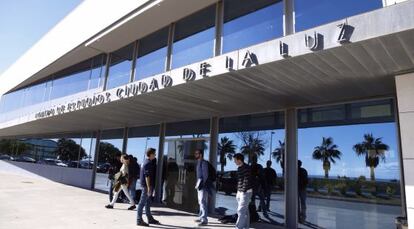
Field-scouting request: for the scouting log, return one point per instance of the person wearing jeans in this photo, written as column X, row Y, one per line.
column 147, row 180
column 244, row 191
column 302, row 184
column 203, row 186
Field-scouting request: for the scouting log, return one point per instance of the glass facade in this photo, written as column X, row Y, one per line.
column 251, row 22
column 179, row 164
column 110, row 145
column 260, row 138
column 73, row 151
column 194, row 38
column 312, row 13
column 120, row 67
column 84, row 76
column 350, row 155
column 152, row 54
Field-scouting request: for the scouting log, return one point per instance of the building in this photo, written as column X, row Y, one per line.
column 259, row 76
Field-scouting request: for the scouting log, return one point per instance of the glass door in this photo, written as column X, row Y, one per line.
column 180, row 174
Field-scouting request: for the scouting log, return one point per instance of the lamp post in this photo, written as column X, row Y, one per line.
column 271, row 140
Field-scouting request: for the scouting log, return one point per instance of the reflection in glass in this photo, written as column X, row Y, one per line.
column 258, row 136
column 152, row 54
column 109, row 146
column 179, row 174
column 353, row 170
column 194, row 38
column 312, row 13
column 251, row 22
column 120, row 67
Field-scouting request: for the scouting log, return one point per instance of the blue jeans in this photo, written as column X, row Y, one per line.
column 145, row 201
column 111, row 190
column 202, row 201
column 133, row 190
column 243, row 219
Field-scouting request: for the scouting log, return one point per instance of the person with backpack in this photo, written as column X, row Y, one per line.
column 203, row 186
column 113, row 169
column 133, row 168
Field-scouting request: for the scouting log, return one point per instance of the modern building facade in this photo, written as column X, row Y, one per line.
column 329, row 83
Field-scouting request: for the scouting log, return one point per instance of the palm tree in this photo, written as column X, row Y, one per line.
column 226, row 149
column 373, row 149
column 279, row 154
column 253, row 145
column 327, row 152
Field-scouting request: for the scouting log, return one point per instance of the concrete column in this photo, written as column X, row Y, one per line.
column 288, row 17
column 95, row 159
column 405, row 99
column 125, row 140
column 214, row 132
column 160, row 158
column 291, row 169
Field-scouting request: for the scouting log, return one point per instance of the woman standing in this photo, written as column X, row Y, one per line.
column 121, row 183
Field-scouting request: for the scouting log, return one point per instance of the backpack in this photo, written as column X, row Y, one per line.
column 212, row 173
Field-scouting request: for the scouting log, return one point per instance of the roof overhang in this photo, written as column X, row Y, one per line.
column 380, row 46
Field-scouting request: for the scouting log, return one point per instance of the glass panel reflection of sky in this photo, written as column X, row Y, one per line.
column 312, row 13
column 259, row 26
column 194, row 48
column 151, row 64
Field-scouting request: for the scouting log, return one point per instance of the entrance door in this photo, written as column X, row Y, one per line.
column 180, row 174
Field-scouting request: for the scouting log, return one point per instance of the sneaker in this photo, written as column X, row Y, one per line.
column 202, row 224
column 197, row 221
column 132, row 207
column 109, row 206
column 154, row 221
column 143, row 224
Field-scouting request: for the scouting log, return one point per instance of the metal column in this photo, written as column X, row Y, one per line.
column 214, row 132
column 160, row 162
column 95, row 159
column 288, row 17
column 291, row 169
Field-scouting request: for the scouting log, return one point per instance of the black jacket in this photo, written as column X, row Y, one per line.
column 244, row 178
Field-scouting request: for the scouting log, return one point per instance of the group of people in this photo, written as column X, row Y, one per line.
column 252, row 181
column 124, row 174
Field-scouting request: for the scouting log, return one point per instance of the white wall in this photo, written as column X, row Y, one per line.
column 405, row 97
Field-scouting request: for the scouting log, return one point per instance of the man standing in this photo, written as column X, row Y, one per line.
column 147, row 180
column 270, row 176
column 202, row 186
column 302, row 183
column 244, row 191
column 259, row 184
column 133, row 169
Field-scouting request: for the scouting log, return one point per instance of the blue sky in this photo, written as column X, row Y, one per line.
column 24, row 22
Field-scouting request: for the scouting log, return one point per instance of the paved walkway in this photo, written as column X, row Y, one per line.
column 33, row 202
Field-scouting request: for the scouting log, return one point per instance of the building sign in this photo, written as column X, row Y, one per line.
column 245, row 58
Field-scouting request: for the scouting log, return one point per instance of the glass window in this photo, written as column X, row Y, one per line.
column 312, row 13
column 251, row 22
column 109, row 146
column 179, row 164
column 97, row 71
column 139, row 140
column 194, row 38
column 152, row 53
column 353, row 174
column 261, row 137
column 70, row 85
column 120, row 67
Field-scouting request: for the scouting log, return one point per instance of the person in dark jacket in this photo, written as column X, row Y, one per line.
column 133, row 168
column 114, row 168
column 259, row 185
column 147, row 180
column 202, row 186
column 244, row 191
column 302, row 184
column 270, row 176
